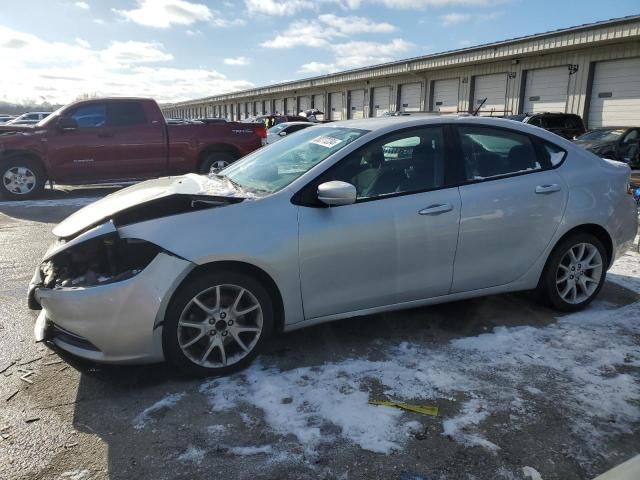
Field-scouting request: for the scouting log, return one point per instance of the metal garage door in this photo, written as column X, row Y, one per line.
column 410, row 97
column 304, row 103
column 318, row 104
column 381, row 101
column 546, row 90
column 336, row 106
column 445, row 95
column 356, row 104
column 615, row 94
column 291, row 106
column 279, row 106
column 494, row 89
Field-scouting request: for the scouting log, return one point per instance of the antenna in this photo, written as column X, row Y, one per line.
column 475, row 112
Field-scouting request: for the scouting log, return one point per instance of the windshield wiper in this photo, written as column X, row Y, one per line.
column 232, row 182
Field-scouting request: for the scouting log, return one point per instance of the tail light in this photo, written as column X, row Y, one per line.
column 262, row 134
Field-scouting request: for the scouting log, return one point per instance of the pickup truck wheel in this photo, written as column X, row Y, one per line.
column 21, row 178
column 216, row 161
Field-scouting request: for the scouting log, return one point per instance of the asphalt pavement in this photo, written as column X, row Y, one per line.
column 61, row 418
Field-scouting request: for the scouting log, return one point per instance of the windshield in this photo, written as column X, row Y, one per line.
column 602, row 135
column 272, row 168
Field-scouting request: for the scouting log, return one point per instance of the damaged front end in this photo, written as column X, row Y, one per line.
column 103, row 297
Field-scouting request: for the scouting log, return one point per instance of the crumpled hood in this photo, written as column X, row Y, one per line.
column 191, row 186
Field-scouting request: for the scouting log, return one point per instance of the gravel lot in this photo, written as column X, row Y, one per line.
column 521, row 393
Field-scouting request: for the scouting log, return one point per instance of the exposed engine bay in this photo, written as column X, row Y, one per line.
column 97, row 261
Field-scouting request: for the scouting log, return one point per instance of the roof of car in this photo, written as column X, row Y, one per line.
column 295, row 123
column 378, row 123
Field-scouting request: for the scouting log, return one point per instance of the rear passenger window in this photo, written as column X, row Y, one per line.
column 410, row 161
column 490, row 152
column 125, row 114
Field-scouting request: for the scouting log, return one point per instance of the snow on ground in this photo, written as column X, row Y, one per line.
column 531, row 473
column 157, row 408
column 57, row 202
column 245, row 451
column 491, row 373
column 192, row 455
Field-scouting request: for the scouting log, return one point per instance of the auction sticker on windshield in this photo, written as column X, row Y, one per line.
column 325, row 141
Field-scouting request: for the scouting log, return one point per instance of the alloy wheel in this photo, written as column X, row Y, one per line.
column 19, row 180
column 579, row 273
column 220, row 326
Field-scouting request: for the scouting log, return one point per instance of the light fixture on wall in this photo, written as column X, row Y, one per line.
column 465, row 79
column 573, row 68
column 511, row 75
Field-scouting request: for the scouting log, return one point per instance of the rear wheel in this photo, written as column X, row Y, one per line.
column 217, row 323
column 21, row 178
column 216, row 161
column 575, row 272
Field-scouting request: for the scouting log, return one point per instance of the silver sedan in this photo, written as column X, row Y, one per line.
column 336, row 221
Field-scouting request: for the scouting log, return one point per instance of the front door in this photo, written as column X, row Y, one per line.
column 512, row 206
column 396, row 243
column 78, row 154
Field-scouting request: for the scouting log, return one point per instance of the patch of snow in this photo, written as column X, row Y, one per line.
column 246, row 451
column 458, row 428
column 216, row 429
column 58, row 202
column 165, row 403
column 75, row 474
column 570, row 362
column 222, row 187
column 532, row 473
column 192, row 455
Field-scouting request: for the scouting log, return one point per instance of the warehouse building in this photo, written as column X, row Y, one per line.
column 592, row 70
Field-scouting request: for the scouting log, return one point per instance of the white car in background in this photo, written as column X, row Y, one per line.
column 29, row 118
column 281, row 130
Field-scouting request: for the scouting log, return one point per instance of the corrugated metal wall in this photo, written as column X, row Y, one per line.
column 512, row 58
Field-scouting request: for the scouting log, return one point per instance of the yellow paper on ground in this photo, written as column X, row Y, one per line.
column 425, row 410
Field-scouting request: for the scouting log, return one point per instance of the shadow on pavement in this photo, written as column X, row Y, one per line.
column 109, row 399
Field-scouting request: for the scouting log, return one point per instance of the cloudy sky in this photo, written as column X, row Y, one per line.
column 56, row 50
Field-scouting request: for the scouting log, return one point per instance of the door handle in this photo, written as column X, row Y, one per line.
column 436, row 209
column 549, row 188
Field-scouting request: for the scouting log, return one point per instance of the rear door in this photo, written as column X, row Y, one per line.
column 137, row 135
column 513, row 201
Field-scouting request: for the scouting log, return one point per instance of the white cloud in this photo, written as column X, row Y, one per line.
column 58, row 72
column 193, row 33
column 99, row 21
column 83, row 43
column 453, row 18
column 358, row 54
column 164, row 13
column 319, row 34
column 277, row 7
column 417, row 4
column 238, row 61
column 82, row 5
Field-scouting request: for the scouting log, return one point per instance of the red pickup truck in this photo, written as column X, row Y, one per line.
column 115, row 139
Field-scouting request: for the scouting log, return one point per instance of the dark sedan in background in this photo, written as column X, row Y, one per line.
column 617, row 143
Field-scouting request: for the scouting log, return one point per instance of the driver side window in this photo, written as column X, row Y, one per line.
column 93, row 115
column 409, row 161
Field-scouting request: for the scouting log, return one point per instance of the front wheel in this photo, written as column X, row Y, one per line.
column 575, row 273
column 21, row 178
column 216, row 323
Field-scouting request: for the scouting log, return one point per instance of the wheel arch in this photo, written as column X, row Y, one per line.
column 597, row 231
column 248, row 269
column 8, row 154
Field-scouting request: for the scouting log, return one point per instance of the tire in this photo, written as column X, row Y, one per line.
column 197, row 333
column 566, row 284
column 216, row 161
column 21, row 178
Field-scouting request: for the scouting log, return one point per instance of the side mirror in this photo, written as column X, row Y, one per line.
column 336, row 193
column 283, row 134
column 67, row 124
